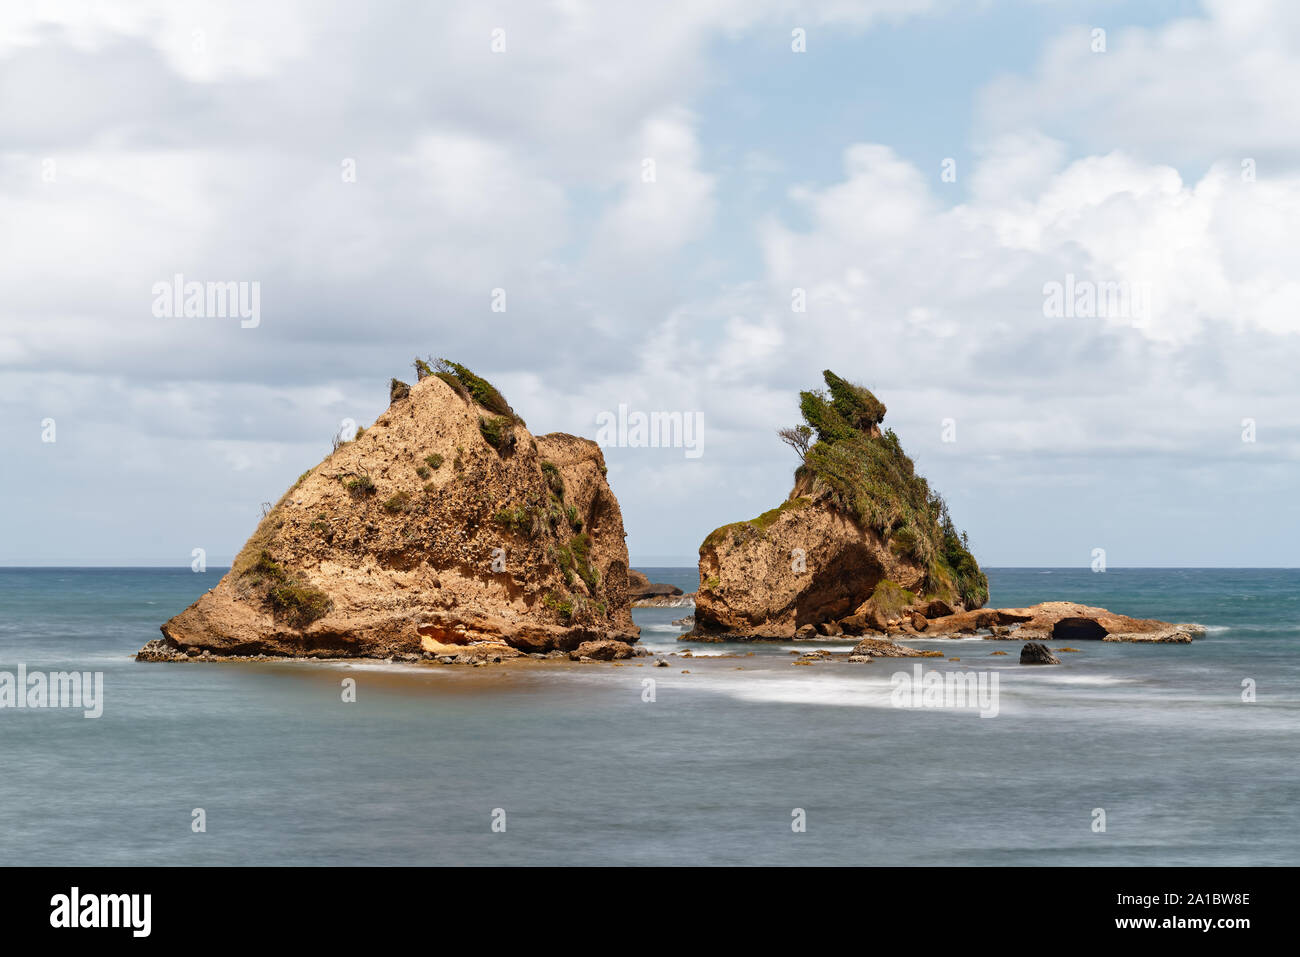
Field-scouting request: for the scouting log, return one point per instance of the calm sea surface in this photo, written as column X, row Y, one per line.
column 709, row 772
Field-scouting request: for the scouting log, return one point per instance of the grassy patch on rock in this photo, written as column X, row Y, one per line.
column 554, row 481
column 398, row 503
column 890, row 599
column 574, row 560
column 291, row 600
column 358, row 485
column 498, row 431
column 759, row 525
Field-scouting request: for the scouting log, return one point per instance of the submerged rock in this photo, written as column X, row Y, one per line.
column 446, row 529
column 884, row 648
column 1034, row 653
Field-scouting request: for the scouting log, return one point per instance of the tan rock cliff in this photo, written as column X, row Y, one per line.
column 445, row 524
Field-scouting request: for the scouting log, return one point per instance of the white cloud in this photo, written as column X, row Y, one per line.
column 1189, row 92
column 665, row 200
column 523, row 170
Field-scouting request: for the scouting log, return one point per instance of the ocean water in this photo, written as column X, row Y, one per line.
column 586, row 771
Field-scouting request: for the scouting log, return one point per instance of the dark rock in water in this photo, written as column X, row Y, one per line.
column 687, row 622
column 1036, row 653
column 658, row 590
column 639, row 585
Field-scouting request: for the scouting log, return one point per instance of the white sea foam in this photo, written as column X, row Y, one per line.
column 814, row 686
column 861, row 692
column 1056, row 678
column 804, row 646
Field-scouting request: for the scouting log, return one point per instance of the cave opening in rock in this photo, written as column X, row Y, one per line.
column 828, row 598
column 1078, row 629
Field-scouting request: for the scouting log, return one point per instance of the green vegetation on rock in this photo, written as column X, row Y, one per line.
column 575, row 559
column 526, row 521
column 533, row 518
column 299, row 604
column 498, row 432
column 551, row 472
column 398, row 503
column 575, row 609
column 358, row 486
column 562, row 605
column 870, row 477
column 474, row 387
column 890, row 598
column 757, row 526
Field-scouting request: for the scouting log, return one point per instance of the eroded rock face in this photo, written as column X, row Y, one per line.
column 446, row 525
column 808, row 564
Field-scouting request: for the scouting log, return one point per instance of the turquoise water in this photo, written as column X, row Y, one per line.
column 709, row 772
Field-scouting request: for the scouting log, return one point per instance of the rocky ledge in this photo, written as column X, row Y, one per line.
column 1047, row 621
column 1054, row 621
column 446, row 530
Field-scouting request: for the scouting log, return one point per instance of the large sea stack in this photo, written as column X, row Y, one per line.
column 861, row 544
column 445, row 527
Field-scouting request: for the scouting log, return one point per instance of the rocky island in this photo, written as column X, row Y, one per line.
column 860, row 543
column 445, row 530
column 863, row 547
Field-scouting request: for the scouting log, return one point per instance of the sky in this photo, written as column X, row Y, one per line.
column 1057, row 239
